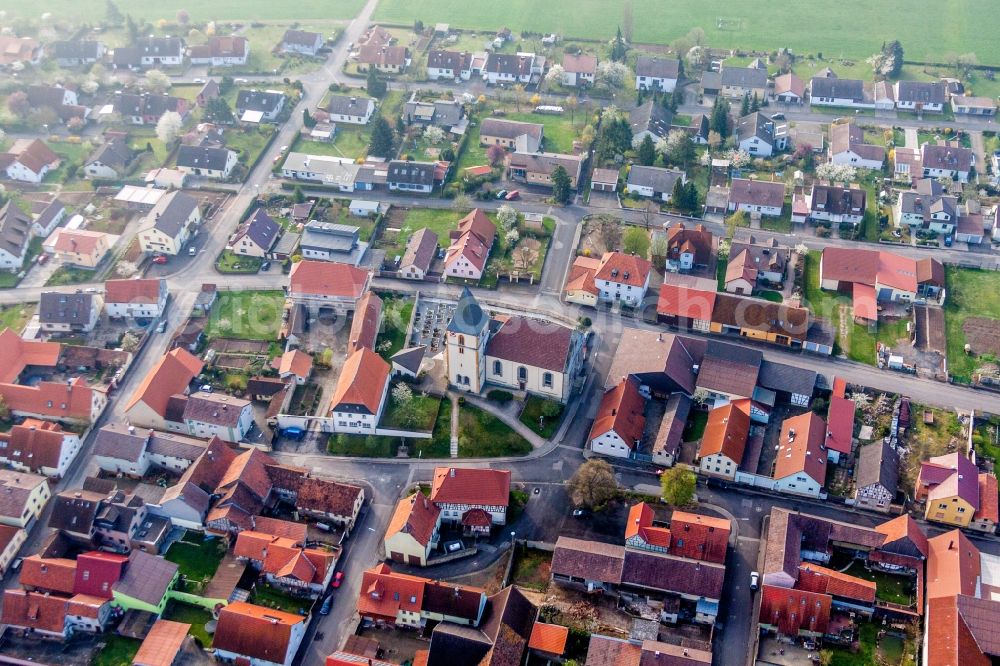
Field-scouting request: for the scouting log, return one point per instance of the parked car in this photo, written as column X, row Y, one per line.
column 513, row 195
column 324, row 609
column 754, row 580
column 338, row 579
column 581, row 513
column 266, row 266
column 501, row 194
column 160, row 259
column 162, row 327
column 778, row 116
column 42, row 258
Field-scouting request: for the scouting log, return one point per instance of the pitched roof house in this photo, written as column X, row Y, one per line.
column 172, row 375
column 413, row 530
column 258, row 635
column 470, row 246
column 619, row 423
column 459, row 490
column 800, row 467
column 327, row 283
column 724, row 439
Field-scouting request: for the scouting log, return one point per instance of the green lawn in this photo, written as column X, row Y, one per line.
column 16, row 316
column 117, row 651
column 196, row 616
column 363, row 446
column 865, row 656
column 559, row 132
column 472, row 153
column 142, row 140
column 542, row 415
column 272, row 597
column 862, row 345
column 424, row 409
column 482, row 435
column 72, row 154
column 249, row 143
column 984, row 440
column 228, row 262
column 197, row 560
column 263, row 39
column 250, row 315
column 439, row 220
column 825, row 304
column 65, row 275
column 396, row 312
column 889, row 588
column 351, row 141
column 218, row 10
column 854, row 28
column 695, row 426
column 971, row 293
column 439, row 445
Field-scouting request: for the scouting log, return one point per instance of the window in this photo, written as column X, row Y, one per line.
column 461, row 340
column 498, row 368
column 547, row 379
column 522, row 374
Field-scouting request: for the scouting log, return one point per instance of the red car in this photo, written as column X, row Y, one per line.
column 42, row 258
column 338, row 578
column 160, row 259
column 511, row 196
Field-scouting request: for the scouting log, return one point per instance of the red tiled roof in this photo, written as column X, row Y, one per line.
column 988, row 499
column 581, row 275
column 792, row 610
column 726, row 431
column 362, row 381
column 43, row 612
column 640, row 523
column 802, row 451
column 415, row 515
column 953, row 565
column 365, row 322
column 16, row 354
column 132, row 291
column 472, row 240
column 171, row 375
column 295, row 362
column 839, row 387
column 384, row 593
column 699, row 537
column 161, row 645
column 863, row 301
column 466, row 485
column 254, row 631
column 950, row 641
column 840, row 424
column 54, row 574
column 96, row 573
column 548, row 638
column 678, row 301
column 35, row 443
column 327, row 278
column 622, row 268
column 476, row 517
column 696, row 241
column 815, row 578
column 903, row 527
column 533, row 342
column 621, row 412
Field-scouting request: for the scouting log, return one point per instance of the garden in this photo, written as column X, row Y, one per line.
column 247, row 315
column 396, row 313
column 196, row 616
column 197, row 557
column 972, row 305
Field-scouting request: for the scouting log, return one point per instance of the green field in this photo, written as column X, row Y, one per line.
column 560, row 131
column 117, row 651
column 16, row 316
column 440, row 221
column 856, row 28
column 218, row 10
column 970, row 293
column 482, row 435
column 249, row 315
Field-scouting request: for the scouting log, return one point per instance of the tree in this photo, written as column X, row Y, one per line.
column 298, row 195
column 196, row 36
column 825, row 657
column 734, row 221
column 612, row 74
column 678, row 486
column 418, row 26
column 518, row 95
column 132, row 29
column 18, row 104
column 169, row 127
column 680, row 147
column 511, row 237
column 183, row 18
column 157, row 81
column 587, row 136
column 112, row 14
column 963, row 65
column 376, row 86
column 383, row 138
column 635, row 241
column 555, row 74
column 495, row 154
column 226, row 84
column 676, row 97
column 836, row 172
column 90, row 86
column 434, row 134
column 593, row 485
column 507, row 217
column 745, row 106
column 535, row 100
column 658, row 248
column 618, row 47
column 714, row 140
column 571, row 103
column 610, row 232
column 627, row 22
column 755, row 104
column 217, row 111
column 307, row 120
column 561, row 185
column 402, row 394
column 647, row 151
column 719, row 120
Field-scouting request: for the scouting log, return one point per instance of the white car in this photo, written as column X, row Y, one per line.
column 754, row 580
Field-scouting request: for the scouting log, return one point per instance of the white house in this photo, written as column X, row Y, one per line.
column 800, row 466
column 653, row 182
column 470, row 246
column 449, row 65
column 221, row 51
column 622, row 278
column 350, row 109
column 759, row 136
column 512, row 68
column 459, row 490
column 360, row 394
column 656, row 73
column 136, row 298
column 837, row 204
column 257, row 635
column 209, row 415
column 41, row 447
column 947, row 161
column 206, row 161
column 302, row 42
column 921, row 95
column 756, row 196
column 15, row 233
column 847, row 146
column 619, row 423
column 724, row 439
column 28, row 161
column 579, row 70
column 169, row 225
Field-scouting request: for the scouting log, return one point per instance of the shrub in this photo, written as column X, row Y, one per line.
column 499, row 396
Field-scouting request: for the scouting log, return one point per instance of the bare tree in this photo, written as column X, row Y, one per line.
column 627, row 21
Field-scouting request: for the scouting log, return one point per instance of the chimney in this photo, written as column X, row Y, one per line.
column 451, row 472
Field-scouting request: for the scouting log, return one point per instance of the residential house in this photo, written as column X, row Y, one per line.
column 208, row 92
column 124, row 449
column 302, row 42
column 653, row 182
column 449, row 115
column 511, row 134
column 135, row 298
column 208, row 415
column 660, row 74
column 11, row 540
column 666, row 444
column 622, row 278
column 685, row 307
column 327, row 284
column 329, row 241
column 365, row 323
column 800, row 466
column 950, row 486
column 148, row 108
column 149, row 52
column 413, row 176
column 756, row 196
column 296, row 365
column 360, row 394
column 894, row 277
column 259, row 105
column 413, row 530
column 59, row 99
column 759, row 135
column 206, row 161
column 54, row 616
column 740, row 82
column 22, row 498
column 755, row 264
column 921, row 95
column 839, row 427
column 724, row 440
column 110, row 160
column 421, row 248
column 350, row 109
column 42, row 447
column 257, row 635
column 463, row 493
column 69, row 313
column 789, row 89
column 15, row 234
column 449, row 65
column 946, row 160
column 172, row 375
column 689, row 248
column 579, row 70
column 408, row 361
column 286, row 563
column 390, row 598
column 221, row 51
column 146, row 583
column 760, row 319
column 928, row 207
column 46, row 221
column 376, row 51
column 19, row 50
column 650, row 119
column 876, row 477
column 74, row 53
column 256, row 236
column 81, row 248
column 837, row 204
column 537, row 168
column 170, row 224
column 29, row 161
column 847, row 146
column 833, row 91
column 580, row 286
column 634, row 652
column 340, row 172
column 619, row 424
column 512, row 68
column 966, row 105
column 470, row 245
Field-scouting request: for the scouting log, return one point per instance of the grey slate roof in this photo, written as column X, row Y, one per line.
column 755, row 125
column 823, row 86
column 259, row 100
column 301, row 37
column 650, row 117
column 412, row 173
column 661, row 180
column 203, row 157
column 330, row 237
column 75, row 49
column 172, row 211
column 921, row 92
column 469, row 317
column 171, row 445
column 115, row 441
column 214, row 408
column 59, row 308
column 15, row 229
column 878, row 463
column 420, row 249
column 409, row 358
column 789, row 378
column 146, row 578
column 348, row 105
column 657, row 68
column 260, row 229
column 744, row 77
column 49, row 213
column 114, row 153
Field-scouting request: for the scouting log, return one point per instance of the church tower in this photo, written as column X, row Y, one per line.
column 468, row 334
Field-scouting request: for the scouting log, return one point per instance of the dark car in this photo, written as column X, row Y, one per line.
column 327, row 605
